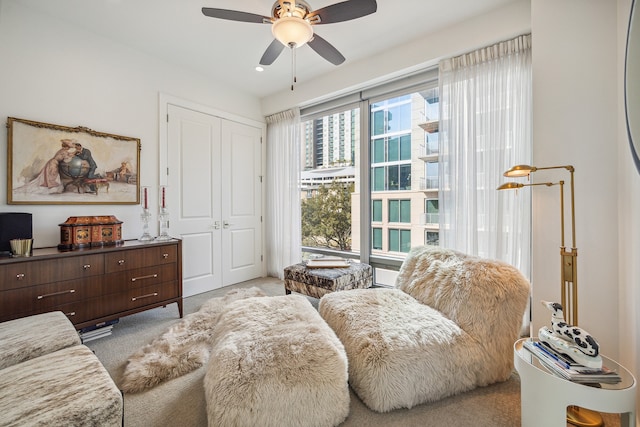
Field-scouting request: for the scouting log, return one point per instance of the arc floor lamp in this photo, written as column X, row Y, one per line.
column 568, row 271
column 568, row 257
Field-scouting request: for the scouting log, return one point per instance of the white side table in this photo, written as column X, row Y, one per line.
column 545, row 396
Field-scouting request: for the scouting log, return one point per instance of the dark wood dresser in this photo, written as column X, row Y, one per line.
column 92, row 285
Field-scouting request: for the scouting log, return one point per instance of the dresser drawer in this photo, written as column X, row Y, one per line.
column 139, row 278
column 151, row 294
column 24, row 274
column 77, row 311
column 131, row 259
column 45, row 297
column 82, row 311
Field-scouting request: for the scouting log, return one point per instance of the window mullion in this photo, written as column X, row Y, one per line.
column 365, row 182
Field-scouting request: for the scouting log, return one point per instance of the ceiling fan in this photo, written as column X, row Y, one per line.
column 292, row 24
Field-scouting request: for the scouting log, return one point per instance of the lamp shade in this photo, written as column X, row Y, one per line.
column 519, row 170
column 292, row 31
column 516, row 185
column 510, row 186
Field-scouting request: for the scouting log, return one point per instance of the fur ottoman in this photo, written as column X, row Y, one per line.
column 316, row 282
column 275, row 362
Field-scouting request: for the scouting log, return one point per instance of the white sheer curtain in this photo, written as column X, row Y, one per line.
column 283, row 192
column 485, row 128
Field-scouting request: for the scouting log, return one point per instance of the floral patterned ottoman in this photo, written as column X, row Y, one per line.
column 316, row 282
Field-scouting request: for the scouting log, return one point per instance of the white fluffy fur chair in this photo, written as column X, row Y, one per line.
column 448, row 327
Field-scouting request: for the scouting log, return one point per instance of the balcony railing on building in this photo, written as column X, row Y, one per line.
column 429, row 183
column 429, row 150
column 431, row 219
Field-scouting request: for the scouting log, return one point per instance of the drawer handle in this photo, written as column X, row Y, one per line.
column 165, row 256
column 69, row 291
column 72, row 313
column 121, row 262
column 148, row 276
column 20, row 276
column 155, row 294
column 86, row 266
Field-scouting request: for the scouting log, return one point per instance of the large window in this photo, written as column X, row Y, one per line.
column 431, row 211
column 399, row 240
column 329, row 176
column 376, row 210
column 400, row 210
column 377, row 238
column 390, row 142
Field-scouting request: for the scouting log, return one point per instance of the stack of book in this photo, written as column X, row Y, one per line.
column 565, row 367
column 100, row 330
column 328, row 262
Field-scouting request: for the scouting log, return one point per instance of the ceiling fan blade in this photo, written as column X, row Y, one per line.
column 326, row 50
column 343, row 11
column 272, row 53
column 234, row 15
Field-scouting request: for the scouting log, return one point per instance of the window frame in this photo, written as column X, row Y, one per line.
column 419, row 81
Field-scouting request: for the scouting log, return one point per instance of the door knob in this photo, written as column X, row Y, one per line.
column 216, row 225
column 226, row 224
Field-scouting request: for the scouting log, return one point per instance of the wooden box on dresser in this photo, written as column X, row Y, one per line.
column 93, row 285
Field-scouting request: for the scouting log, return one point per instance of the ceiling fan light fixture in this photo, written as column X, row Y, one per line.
column 292, row 31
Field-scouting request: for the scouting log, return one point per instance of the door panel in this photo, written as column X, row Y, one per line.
column 194, row 189
column 198, row 262
column 242, row 202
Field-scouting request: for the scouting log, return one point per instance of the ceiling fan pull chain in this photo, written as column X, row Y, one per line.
column 293, row 67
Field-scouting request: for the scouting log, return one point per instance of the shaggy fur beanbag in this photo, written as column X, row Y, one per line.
column 448, row 327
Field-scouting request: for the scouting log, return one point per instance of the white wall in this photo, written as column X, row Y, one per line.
column 575, row 118
column 578, row 55
column 628, row 226
column 51, row 72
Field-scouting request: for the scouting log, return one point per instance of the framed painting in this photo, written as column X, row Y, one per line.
column 52, row 164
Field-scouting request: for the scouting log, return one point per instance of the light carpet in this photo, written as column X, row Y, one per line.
column 181, row 401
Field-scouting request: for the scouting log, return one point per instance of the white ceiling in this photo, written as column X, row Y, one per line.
column 177, row 32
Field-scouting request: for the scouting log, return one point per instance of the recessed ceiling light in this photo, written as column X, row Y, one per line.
column 259, row 69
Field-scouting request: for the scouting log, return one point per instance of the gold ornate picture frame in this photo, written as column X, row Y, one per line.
column 52, row 164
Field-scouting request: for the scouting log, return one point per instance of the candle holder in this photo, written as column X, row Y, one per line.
column 145, row 216
column 163, row 216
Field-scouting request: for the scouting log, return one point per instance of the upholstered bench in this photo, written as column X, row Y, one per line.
column 34, row 336
column 68, row 387
column 275, row 362
column 47, row 377
column 316, row 282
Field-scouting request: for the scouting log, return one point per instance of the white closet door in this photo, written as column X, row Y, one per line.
column 241, row 202
column 194, row 194
column 215, row 195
